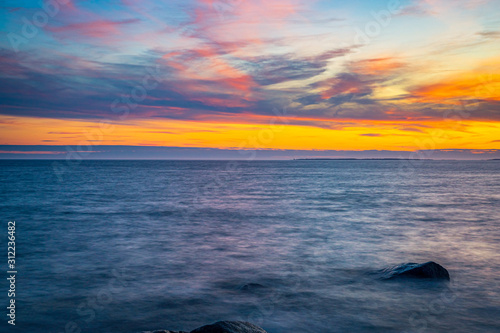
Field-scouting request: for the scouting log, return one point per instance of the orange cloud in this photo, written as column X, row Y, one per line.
column 466, row 86
column 480, row 84
column 377, row 66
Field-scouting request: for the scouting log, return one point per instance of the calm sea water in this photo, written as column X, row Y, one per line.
column 127, row 246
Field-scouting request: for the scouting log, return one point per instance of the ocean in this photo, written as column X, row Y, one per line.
column 291, row 246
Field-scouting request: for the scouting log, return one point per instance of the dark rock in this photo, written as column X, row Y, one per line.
column 222, row 327
column 165, row 331
column 229, row 327
column 251, row 286
column 428, row 270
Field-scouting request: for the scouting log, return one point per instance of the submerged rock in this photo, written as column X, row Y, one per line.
column 251, row 287
column 428, row 270
column 229, row 327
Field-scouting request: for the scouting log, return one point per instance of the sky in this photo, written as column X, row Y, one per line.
column 214, row 75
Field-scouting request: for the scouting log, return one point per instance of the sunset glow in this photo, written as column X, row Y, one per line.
column 310, row 75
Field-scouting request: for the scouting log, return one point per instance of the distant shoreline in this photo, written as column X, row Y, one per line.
column 245, row 160
column 362, row 159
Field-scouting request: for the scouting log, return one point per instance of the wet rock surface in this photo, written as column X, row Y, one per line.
column 428, row 270
column 222, row 327
column 229, row 327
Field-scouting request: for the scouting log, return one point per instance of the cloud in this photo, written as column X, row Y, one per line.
column 62, row 133
column 490, row 34
column 248, row 20
column 268, row 70
column 371, row 134
column 439, row 7
column 345, row 87
column 377, row 66
column 411, row 129
column 359, row 80
column 462, row 86
column 351, row 93
column 415, row 10
column 92, row 29
column 233, row 59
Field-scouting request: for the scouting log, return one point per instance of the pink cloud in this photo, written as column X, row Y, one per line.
column 94, row 29
column 244, row 20
column 204, row 69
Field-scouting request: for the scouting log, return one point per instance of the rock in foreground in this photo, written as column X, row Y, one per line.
column 223, row 327
column 229, row 327
column 428, row 270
